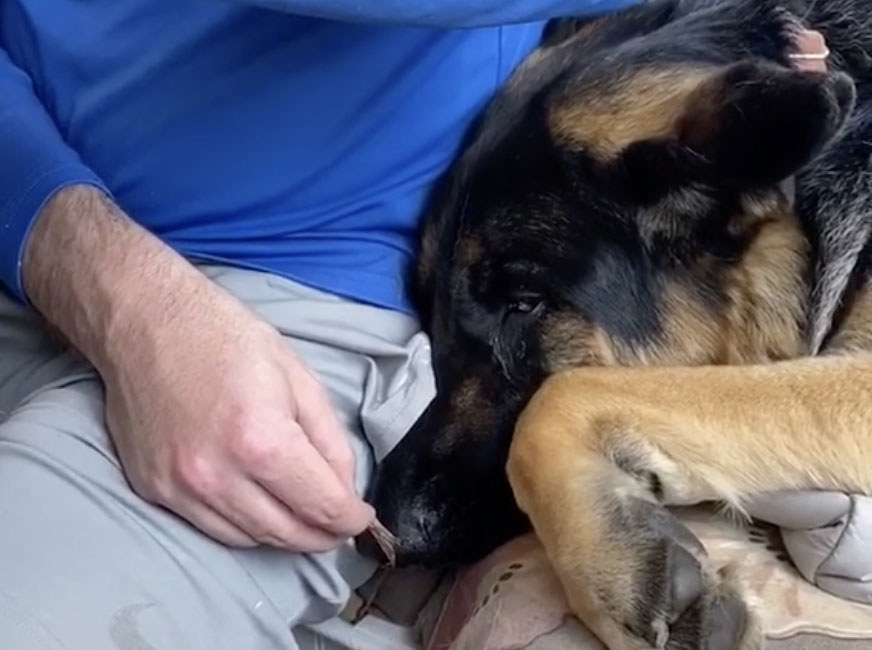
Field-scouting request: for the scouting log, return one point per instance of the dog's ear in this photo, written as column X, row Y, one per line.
column 756, row 123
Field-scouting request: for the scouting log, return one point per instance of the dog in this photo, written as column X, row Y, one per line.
column 648, row 282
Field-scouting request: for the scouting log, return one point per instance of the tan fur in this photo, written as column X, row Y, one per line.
column 761, row 320
column 692, row 333
column 709, row 433
column 855, row 333
column 720, row 407
column 767, row 294
column 650, row 104
column 569, row 341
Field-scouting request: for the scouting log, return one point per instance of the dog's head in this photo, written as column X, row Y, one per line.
column 600, row 216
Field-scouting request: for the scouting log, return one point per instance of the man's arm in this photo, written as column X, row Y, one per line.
column 449, row 14
column 96, row 300
column 35, row 163
column 210, row 412
column 212, row 415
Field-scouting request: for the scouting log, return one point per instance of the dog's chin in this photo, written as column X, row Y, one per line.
column 425, row 541
column 452, row 551
column 441, row 554
column 411, row 548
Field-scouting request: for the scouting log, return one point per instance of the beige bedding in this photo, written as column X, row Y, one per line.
column 512, row 599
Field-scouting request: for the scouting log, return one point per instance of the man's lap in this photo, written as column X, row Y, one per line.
column 87, row 564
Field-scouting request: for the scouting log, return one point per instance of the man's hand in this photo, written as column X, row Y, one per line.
column 212, row 415
column 216, row 419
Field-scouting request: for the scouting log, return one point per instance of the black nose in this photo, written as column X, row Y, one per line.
column 367, row 546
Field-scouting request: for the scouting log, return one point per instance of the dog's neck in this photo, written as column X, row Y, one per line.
column 839, row 237
column 841, row 233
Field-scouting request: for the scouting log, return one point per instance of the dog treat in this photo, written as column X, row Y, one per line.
column 386, row 541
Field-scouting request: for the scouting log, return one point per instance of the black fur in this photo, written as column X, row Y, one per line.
column 564, row 232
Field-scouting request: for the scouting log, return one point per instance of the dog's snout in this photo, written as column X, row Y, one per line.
column 413, row 531
column 419, row 527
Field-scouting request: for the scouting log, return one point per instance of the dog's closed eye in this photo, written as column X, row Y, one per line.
column 526, row 304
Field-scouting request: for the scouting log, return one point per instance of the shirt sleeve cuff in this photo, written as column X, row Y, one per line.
column 19, row 213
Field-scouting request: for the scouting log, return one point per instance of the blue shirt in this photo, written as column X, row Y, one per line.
column 299, row 137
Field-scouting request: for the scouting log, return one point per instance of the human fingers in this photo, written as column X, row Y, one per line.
column 295, row 473
column 255, row 511
column 317, row 417
column 205, row 518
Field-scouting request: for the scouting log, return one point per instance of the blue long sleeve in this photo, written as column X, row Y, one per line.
column 442, row 13
column 35, row 163
column 297, row 137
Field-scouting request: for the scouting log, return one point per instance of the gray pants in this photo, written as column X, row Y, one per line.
column 87, row 565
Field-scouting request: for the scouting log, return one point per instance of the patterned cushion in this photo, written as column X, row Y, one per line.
column 513, row 601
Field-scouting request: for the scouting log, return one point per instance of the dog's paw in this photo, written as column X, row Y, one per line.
column 653, row 579
column 720, row 619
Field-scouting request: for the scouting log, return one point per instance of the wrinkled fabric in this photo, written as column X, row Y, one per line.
column 86, row 564
column 828, row 536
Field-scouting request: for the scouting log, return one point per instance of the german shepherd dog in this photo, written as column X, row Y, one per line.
column 629, row 310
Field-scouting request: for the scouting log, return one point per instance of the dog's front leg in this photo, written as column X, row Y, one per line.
column 598, row 454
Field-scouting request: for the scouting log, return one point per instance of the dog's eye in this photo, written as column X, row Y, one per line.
column 526, row 304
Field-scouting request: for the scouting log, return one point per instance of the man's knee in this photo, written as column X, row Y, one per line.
column 91, row 565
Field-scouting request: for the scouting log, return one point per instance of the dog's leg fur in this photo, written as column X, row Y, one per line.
column 598, row 454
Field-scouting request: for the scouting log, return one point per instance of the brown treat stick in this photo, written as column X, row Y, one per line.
column 386, row 541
